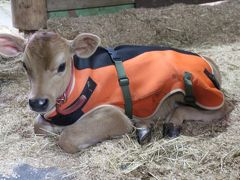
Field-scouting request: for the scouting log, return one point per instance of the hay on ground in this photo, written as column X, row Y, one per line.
column 213, row 153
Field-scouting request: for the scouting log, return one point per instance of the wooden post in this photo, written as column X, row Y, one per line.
column 29, row 15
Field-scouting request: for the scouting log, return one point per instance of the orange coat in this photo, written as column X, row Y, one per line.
column 153, row 74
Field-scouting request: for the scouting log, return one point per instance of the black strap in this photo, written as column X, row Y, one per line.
column 123, row 81
column 189, row 97
column 213, row 79
column 65, row 120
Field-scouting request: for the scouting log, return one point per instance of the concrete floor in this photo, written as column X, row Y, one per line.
column 27, row 172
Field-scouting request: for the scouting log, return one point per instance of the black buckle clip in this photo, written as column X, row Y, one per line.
column 124, row 81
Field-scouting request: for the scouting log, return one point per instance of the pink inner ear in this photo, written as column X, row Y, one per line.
column 8, row 48
column 10, row 51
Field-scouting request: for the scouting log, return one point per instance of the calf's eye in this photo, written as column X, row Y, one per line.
column 61, row 67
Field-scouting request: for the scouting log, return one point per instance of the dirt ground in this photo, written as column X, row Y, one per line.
column 204, row 151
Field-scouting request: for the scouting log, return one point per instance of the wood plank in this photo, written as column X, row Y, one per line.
column 56, row 5
column 159, row 3
column 29, row 14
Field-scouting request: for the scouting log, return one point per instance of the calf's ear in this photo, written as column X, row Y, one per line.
column 11, row 46
column 85, row 44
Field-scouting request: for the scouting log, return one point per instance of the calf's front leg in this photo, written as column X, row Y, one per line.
column 101, row 123
column 42, row 127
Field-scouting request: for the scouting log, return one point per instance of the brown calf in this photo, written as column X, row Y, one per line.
column 48, row 61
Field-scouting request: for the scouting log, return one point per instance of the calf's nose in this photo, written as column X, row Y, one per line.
column 38, row 105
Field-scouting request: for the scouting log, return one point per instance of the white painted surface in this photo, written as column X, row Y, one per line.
column 5, row 14
column 213, row 3
column 6, row 18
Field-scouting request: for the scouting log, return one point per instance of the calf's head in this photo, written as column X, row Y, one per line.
column 47, row 59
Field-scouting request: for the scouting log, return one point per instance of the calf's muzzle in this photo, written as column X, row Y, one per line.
column 39, row 104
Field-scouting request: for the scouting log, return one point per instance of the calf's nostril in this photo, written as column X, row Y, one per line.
column 38, row 104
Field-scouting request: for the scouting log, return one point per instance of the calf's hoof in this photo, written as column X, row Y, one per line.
column 170, row 131
column 144, row 135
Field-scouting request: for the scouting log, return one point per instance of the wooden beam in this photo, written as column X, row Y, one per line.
column 58, row 5
column 29, row 15
column 159, row 3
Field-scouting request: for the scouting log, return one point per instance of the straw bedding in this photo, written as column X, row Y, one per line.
column 203, row 151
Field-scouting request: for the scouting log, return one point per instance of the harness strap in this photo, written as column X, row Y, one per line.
column 213, row 79
column 189, row 97
column 123, row 81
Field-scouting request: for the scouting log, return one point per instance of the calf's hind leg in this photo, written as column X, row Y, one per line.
column 103, row 122
column 174, row 121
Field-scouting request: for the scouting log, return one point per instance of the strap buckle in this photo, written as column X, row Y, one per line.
column 62, row 99
column 124, row 81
